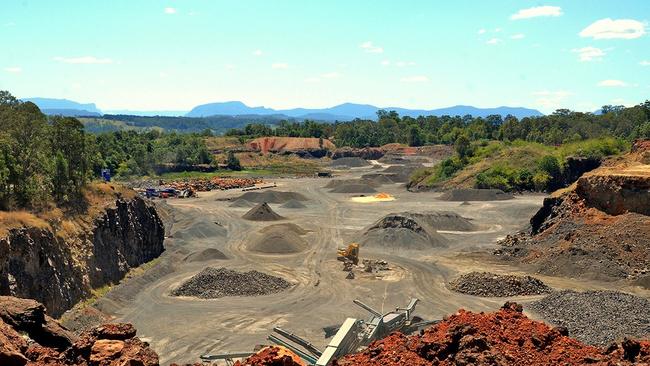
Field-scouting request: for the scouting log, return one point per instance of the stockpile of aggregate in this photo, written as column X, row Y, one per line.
column 262, row 212
column 272, row 196
column 336, row 183
column 354, row 188
column 402, row 231
column 279, row 239
column 597, row 317
column 471, row 194
column 350, row 162
column 241, row 203
column 205, row 255
column 201, row 229
column 212, row 283
column 378, row 178
column 495, row 285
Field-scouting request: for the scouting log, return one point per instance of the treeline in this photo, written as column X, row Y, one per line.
column 560, row 127
column 41, row 160
column 48, row 160
column 129, row 153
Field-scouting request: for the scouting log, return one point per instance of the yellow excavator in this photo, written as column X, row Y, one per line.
column 351, row 253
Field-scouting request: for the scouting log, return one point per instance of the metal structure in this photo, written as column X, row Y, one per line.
column 352, row 336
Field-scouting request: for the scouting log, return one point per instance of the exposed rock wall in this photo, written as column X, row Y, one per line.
column 38, row 264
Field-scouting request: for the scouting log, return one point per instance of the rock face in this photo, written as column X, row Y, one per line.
column 29, row 337
column 598, row 229
column 366, row 153
column 36, row 263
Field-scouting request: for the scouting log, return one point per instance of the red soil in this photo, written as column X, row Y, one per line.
column 505, row 337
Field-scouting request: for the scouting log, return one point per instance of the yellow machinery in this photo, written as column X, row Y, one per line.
column 351, row 253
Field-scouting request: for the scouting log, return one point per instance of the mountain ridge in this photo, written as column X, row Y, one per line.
column 341, row 112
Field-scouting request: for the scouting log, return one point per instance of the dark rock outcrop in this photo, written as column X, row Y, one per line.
column 36, row 263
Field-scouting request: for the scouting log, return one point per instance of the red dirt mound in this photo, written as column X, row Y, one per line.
column 273, row 356
column 505, row 337
column 292, row 144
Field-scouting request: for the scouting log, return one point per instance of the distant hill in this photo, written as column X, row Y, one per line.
column 65, row 107
column 350, row 111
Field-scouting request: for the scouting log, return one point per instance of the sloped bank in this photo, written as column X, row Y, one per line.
column 60, row 270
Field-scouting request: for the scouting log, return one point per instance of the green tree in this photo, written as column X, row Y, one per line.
column 232, row 162
column 61, row 184
column 462, row 146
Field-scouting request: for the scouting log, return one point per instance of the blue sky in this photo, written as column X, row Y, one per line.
column 175, row 54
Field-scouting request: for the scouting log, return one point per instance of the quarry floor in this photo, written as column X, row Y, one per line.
column 180, row 329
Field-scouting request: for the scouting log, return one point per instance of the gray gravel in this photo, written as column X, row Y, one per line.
column 494, row 285
column 212, row 283
column 596, row 317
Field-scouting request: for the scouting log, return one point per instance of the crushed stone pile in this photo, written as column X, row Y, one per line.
column 262, row 212
column 279, row 239
column 354, row 188
column 597, row 317
column 349, row 162
column 336, row 183
column 444, row 220
column 378, row 178
column 212, row 283
column 472, row 194
column 495, row 285
column 241, row 203
column 272, row 196
column 505, row 337
column 286, row 227
column 202, row 229
column 402, row 231
column 205, row 255
column 295, row 204
column 401, row 173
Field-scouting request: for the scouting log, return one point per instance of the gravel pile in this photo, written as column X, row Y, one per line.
column 471, row 194
column 352, row 162
column 212, row 283
column 488, row 284
column 596, row 317
column 262, row 212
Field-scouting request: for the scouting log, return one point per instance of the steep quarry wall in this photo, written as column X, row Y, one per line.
column 597, row 229
column 60, row 271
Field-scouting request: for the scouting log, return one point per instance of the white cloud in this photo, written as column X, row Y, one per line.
column 170, row 10
column 414, row 79
column 586, row 54
column 230, row 67
column 538, row 11
column 369, row 47
column 280, row 65
column 481, row 31
column 612, row 83
column 258, row 53
column 83, row 60
column 548, row 99
column 331, row 75
column 518, row 36
column 10, row 24
column 609, row 29
column 313, row 79
column 645, row 63
column 494, row 41
column 14, row 69
column 404, row 63
column 497, row 30
column 385, row 63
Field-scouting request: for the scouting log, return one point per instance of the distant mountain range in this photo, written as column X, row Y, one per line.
column 342, row 112
column 65, row 107
column 349, row 111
